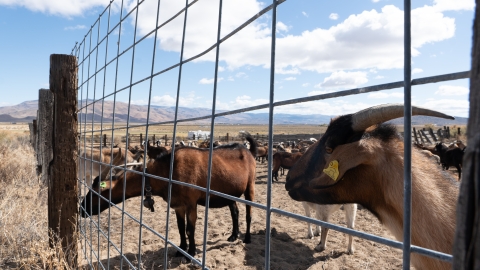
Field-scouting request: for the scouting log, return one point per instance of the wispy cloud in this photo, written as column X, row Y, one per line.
column 417, row 70
column 451, row 90
column 290, row 79
column 209, row 81
column 304, row 14
column 342, row 79
column 333, row 16
column 76, row 27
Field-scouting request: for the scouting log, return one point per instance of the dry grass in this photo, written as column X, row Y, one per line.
column 24, row 240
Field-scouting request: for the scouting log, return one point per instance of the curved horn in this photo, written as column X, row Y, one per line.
column 116, row 161
column 382, row 113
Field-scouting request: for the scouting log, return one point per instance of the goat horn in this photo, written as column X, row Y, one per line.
column 382, row 113
column 116, row 161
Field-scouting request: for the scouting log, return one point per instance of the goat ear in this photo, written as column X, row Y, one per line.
column 343, row 158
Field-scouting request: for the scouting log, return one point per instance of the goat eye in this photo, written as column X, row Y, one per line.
column 328, row 150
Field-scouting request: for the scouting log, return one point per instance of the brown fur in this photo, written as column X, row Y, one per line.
column 262, row 153
column 371, row 174
column 283, row 160
column 233, row 173
column 87, row 172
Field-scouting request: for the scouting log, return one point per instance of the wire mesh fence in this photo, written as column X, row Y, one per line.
column 110, row 69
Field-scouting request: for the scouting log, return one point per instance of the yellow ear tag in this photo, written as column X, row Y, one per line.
column 332, row 170
column 103, row 184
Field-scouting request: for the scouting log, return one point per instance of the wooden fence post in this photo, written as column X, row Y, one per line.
column 415, row 134
column 227, row 138
column 430, row 130
column 44, row 134
column 141, row 138
column 63, row 186
column 420, row 135
column 105, row 140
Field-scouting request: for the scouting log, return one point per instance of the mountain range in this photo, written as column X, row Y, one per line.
column 27, row 111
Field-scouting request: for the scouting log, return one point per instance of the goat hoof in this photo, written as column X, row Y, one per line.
column 232, row 238
column 319, row 248
column 350, row 251
column 247, row 239
column 178, row 254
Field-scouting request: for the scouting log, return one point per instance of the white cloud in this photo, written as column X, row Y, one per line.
column 304, row 14
column 290, row 79
column 375, row 1
column 221, row 69
column 333, row 16
column 209, row 81
column 65, row 8
column 417, row 70
column 240, row 102
column 449, row 106
column 333, row 108
column 306, row 84
column 76, row 27
column 241, row 75
column 444, row 5
column 167, row 100
column 379, row 95
column 342, row 79
column 379, row 77
column 282, row 27
column 371, row 39
column 450, row 90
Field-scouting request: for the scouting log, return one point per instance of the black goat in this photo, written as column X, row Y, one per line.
column 450, row 157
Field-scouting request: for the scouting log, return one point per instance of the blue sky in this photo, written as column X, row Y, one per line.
column 322, row 47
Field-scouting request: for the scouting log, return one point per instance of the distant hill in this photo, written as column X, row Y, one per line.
column 26, row 111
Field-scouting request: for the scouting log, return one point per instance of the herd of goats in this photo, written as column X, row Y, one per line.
column 359, row 160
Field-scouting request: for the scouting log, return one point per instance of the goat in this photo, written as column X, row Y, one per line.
column 323, row 212
column 262, row 153
column 233, row 172
column 450, row 157
column 89, row 166
column 283, row 160
column 360, row 159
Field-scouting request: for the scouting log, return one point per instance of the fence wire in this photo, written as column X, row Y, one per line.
column 93, row 94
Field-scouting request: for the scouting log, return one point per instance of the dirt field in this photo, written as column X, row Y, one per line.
column 289, row 247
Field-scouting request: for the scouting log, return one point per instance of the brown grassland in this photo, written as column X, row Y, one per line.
column 24, row 242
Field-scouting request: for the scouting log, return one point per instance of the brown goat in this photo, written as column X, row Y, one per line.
column 233, row 172
column 88, row 168
column 354, row 162
column 262, row 153
column 283, row 160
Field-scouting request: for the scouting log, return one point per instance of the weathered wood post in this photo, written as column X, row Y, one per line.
column 141, row 138
column 430, row 130
column 44, row 134
column 62, row 186
column 105, row 140
column 415, row 134
column 420, row 136
column 458, row 131
column 448, row 132
column 425, row 135
column 156, row 140
column 439, row 134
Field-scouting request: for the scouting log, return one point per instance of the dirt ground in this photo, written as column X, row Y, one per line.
column 289, row 247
